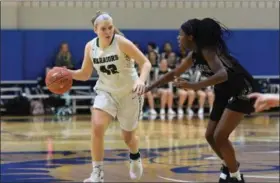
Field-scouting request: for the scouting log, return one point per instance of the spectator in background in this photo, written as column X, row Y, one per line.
column 203, row 93
column 165, row 91
column 64, row 57
column 169, row 55
column 152, row 47
column 186, row 94
column 172, row 60
column 149, row 95
column 167, row 50
column 151, row 101
column 153, row 57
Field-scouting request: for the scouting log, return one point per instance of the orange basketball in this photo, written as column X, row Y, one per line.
column 59, row 80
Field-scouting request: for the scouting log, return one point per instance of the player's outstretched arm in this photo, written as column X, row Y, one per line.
column 265, row 101
column 215, row 64
column 170, row 76
column 86, row 70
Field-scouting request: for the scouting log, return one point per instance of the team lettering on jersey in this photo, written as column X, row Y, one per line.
column 102, row 60
column 109, row 69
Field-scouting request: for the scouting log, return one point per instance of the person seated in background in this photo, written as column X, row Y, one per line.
column 203, row 93
column 152, row 56
column 165, row 91
column 186, row 94
column 64, row 57
column 152, row 47
column 149, row 95
column 167, row 51
column 172, row 60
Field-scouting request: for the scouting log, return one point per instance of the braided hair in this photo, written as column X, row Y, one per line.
column 207, row 33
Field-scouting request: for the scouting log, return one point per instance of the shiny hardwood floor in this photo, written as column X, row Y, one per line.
column 51, row 149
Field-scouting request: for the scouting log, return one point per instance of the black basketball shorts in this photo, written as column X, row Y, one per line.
column 240, row 104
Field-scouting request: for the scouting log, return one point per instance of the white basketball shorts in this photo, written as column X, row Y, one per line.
column 126, row 109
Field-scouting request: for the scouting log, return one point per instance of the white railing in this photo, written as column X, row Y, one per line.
column 145, row 3
column 90, row 95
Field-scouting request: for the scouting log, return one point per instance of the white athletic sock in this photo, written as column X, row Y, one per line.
column 97, row 164
column 236, row 175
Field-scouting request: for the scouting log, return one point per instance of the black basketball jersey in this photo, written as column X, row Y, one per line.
column 237, row 75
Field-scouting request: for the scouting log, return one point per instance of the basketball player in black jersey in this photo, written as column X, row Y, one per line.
column 231, row 81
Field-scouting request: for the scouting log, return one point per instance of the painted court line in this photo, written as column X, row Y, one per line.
column 173, row 180
column 261, row 177
column 249, row 176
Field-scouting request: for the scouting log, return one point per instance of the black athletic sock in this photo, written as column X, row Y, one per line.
column 134, row 156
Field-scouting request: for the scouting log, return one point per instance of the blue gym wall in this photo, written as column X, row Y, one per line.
column 31, row 34
column 26, row 53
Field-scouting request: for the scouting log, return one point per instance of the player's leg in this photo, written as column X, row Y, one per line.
column 211, row 97
column 201, row 101
column 163, row 99
column 232, row 116
column 219, row 106
column 128, row 116
column 151, row 103
column 191, row 97
column 103, row 111
column 170, row 97
column 182, row 94
column 229, row 121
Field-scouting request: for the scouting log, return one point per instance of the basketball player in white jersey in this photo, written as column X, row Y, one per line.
column 118, row 91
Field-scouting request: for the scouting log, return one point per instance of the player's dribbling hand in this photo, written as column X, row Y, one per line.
column 139, row 87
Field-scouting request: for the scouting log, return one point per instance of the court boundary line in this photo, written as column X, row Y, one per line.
column 249, row 176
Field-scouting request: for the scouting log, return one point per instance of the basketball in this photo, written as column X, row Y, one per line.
column 59, row 80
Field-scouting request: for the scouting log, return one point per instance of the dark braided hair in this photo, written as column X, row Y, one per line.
column 207, row 33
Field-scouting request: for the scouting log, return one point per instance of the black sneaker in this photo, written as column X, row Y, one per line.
column 235, row 180
column 225, row 176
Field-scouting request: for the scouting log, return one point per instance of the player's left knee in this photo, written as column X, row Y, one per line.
column 210, row 95
column 129, row 138
column 220, row 137
column 170, row 93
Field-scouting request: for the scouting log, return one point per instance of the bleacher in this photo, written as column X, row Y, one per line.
column 82, row 94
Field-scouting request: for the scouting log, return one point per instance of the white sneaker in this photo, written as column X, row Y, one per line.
column 162, row 112
column 180, row 112
column 97, row 175
column 153, row 112
column 171, row 112
column 136, row 169
column 200, row 111
column 190, row 112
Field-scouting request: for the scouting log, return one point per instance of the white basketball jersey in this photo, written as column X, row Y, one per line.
column 116, row 71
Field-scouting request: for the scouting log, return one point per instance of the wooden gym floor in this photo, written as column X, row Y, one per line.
column 48, row 149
